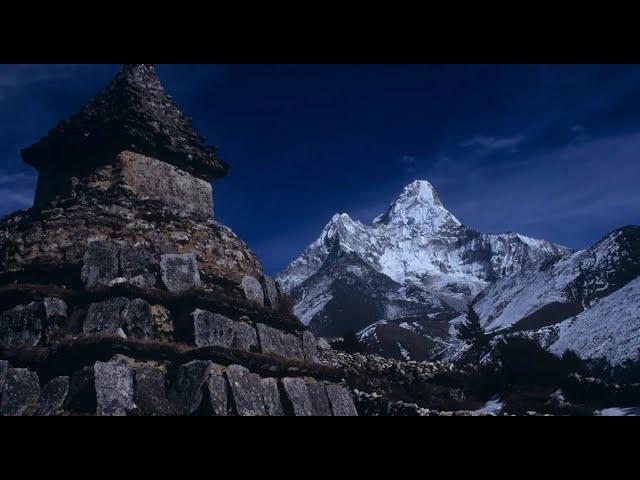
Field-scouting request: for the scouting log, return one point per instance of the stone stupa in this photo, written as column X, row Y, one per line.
column 120, row 294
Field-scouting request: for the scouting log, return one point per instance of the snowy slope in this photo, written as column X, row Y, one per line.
column 609, row 329
column 557, row 289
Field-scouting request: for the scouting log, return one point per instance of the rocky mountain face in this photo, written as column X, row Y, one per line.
column 119, row 293
column 399, row 280
column 585, row 301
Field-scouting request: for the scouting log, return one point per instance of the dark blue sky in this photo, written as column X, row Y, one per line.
column 548, row 151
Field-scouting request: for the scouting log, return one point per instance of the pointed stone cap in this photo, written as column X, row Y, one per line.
column 133, row 113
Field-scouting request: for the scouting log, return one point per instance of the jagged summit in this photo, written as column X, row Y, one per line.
column 132, row 113
column 418, row 204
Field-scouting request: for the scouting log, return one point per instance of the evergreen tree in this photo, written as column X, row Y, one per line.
column 471, row 332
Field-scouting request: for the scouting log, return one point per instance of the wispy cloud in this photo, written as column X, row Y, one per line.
column 489, row 144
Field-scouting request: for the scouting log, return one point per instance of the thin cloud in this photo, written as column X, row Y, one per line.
column 492, row 144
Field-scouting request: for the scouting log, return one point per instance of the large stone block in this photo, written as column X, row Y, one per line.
column 105, row 318
column 100, row 265
column 279, row 343
column 53, row 397
column 212, row 329
column 187, row 393
column 270, row 292
column 174, row 188
column 150, row 394
column 20, row 392
column 253, row 291
column 217, row 393
column 298, row 397
column 133, row 318
column 310, row 347
column 27, row 325
column 114, row 388
column 180, row 272
column 253, row 396
column 139, row 266
column 341, row 402
column 4, row 368
column 319, row 399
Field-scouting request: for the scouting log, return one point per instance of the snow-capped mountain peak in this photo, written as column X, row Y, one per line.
column 419, row 204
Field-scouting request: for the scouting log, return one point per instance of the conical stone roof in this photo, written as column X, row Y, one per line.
column 132, row 113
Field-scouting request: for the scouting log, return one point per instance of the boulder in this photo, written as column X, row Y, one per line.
column 297, row 395
column 253, row 291
column 252, row 395
column 187, row 393
column 150, row 393
column 212, row 329
column 279, row 343
column 82, row 392
column 319, row 399
column 310, row 347
column 341, row 402
column 20, row 392
column 53, row 397
column 114, row 388
column 180, row 272
column 100, row 264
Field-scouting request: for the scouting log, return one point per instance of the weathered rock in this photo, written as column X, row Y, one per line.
column 271, row 398
column 253, row 291
column 143, row 321
column 297, row 395
column 310, row 347
column 135, row 319
column 212, row 329
column 150, row 393
column 187, row 393
column 28, row 325
column 105, row 318
column 174, row 188
column 20, row 393
column 22, row 325
column 252, row 395
column 217, row 393
column 270, row 292
column 100, row 264
column 139, row 266
column 114, row 388
column 180, row 272
column 341, row 402
column 54, row 308
column 82, row 392
column 319, row 399
column 279, row 343
column 53, row 397
column 4, row 368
